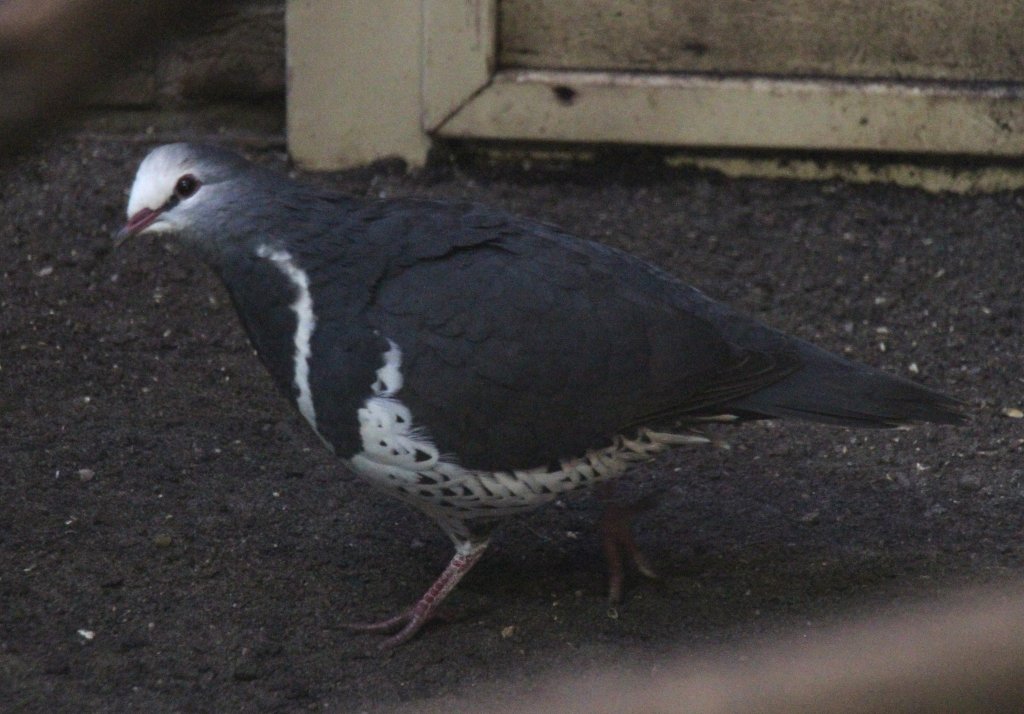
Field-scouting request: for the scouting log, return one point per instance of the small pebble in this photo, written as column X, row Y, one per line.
column 1013, row 413
column 86, row 474
column 162, row 540
column 508, row 631
column 969, row 483
column 87, row 635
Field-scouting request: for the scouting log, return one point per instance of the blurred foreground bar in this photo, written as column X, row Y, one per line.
column 965, row 654
column 55, row 53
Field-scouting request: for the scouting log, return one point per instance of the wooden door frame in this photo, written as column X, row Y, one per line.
column 382, row 78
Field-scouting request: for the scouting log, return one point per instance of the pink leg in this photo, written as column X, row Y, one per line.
column 617, row 539
column 409, row 622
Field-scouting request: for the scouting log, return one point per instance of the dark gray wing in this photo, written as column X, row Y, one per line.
column 522, row 345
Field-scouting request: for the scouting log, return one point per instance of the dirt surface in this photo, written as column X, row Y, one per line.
column 172, row 538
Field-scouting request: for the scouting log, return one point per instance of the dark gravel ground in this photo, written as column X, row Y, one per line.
column 172, row 539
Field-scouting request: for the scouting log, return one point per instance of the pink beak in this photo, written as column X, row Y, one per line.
column 135, row 225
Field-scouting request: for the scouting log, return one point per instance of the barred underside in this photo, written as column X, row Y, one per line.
column 449, row 492
column 401, row 460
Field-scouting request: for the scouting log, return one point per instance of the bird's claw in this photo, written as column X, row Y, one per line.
column 388, row 625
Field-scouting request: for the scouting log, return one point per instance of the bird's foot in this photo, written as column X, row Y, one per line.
column 388, row 625
column 619, row 544
column 407, row 623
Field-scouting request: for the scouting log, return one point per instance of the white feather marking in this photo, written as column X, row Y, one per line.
column 386, row 427
column 305, row 324
column 389, row 377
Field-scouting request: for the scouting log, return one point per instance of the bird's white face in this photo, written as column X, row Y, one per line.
column 166, row 183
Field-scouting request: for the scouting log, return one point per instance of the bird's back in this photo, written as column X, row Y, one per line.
column 520, row 345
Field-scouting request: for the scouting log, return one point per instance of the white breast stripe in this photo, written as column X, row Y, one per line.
column 305, row 324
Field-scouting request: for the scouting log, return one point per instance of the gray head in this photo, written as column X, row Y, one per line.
column 178, row 185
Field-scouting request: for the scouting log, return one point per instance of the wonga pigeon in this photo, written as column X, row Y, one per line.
column 475, row 364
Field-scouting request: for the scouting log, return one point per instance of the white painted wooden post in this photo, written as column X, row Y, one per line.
column 354, row 73
column 370, row 78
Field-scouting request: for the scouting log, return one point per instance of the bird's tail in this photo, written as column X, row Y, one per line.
column 833, row 390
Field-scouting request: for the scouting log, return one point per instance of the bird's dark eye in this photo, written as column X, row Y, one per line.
column 186, row 186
